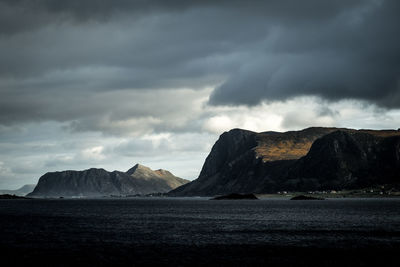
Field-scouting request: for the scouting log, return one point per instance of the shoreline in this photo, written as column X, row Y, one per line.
column 259, row 196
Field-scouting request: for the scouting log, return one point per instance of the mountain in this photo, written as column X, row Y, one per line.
column 99, row 182
column 20, row 191
column 148, row 179
column 311, row 159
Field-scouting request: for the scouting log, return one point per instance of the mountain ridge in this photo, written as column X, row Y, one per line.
column 242, row 161
column 97, row 182
column 22, row 191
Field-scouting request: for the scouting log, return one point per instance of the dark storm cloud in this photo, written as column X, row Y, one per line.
column 60, row 58
column 353, row 54
column 288, row 10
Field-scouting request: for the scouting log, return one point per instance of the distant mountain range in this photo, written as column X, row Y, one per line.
column 311, row 159
column 20, row 191
column 139, row 180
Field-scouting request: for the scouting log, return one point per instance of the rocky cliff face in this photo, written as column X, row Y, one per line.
column 99, row 182
column 347, row 159
column 312, row 159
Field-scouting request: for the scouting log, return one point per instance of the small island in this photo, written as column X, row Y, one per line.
column 236, row 196
column 303, row 197
column 8, row 196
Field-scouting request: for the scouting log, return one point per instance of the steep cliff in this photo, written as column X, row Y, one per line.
column 346, row 159
column 99, row 182
column 312, row 159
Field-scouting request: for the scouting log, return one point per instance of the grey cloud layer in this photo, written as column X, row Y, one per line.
column 60, row 58
column 351, row 55
column 35, row 149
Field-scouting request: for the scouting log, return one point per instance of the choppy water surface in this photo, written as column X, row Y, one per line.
column 275, row 222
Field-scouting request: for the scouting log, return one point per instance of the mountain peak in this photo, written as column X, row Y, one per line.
column 145, row 173
column 137, row 167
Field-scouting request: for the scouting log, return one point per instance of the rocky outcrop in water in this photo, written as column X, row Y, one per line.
column 236, row 196
column 139, row 180
column 312, row 159
column 303, row 197
column 8, row 196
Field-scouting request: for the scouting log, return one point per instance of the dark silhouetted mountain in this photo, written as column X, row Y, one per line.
column 311, row 159
column 139, row 180
column 347, row 160
column 23, row 191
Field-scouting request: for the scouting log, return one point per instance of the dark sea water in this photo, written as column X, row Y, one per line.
column 190, row 231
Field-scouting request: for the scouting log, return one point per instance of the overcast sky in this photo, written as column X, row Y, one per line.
column 113, row 83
